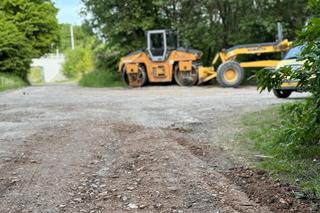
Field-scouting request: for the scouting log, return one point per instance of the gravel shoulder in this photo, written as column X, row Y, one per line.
column 157, row 149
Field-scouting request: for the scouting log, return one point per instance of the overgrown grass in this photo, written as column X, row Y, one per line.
column 101, row 79
column 292, row 157
column 9, row 81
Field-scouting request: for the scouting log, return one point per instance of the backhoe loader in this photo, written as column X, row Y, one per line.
column 160, row 62
column 230, row 73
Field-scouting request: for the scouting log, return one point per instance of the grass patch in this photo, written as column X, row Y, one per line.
column 274, row 134
column 36, row 75
column 10, row 81
column 101, row 79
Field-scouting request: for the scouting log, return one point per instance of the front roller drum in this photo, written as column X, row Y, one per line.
column 138, row 79
column 185, row 78
column 230, row 74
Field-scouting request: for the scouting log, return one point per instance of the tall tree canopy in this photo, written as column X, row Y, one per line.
column 14, row 48
column 29, row 29
column 208, row 25
column 83, row 37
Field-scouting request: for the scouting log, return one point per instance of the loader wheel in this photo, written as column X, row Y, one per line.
column 230, row 74
column 185, row 78
column 135, row 80
column 279, row 93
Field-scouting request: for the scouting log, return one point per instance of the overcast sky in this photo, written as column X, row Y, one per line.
column 69, row 11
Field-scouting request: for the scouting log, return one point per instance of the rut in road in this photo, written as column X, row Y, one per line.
column 162, row 170
column 67, row 149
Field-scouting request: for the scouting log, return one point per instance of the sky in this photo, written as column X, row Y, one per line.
column 69, row 11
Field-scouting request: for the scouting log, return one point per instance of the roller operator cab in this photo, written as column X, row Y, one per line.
column 161, row 61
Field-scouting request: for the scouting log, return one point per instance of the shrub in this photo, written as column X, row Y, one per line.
column 10, row 81
column 304, row 125
column 105, row 58
column 78, row 62
column 101, row 79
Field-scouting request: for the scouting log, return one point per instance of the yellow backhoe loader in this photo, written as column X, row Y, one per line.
column 230, row 72
column 160, row 62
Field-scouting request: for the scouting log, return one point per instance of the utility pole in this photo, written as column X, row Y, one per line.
column 72, row 36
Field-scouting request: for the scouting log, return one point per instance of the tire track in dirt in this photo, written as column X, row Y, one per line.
column 153, row 172
column 259, row 187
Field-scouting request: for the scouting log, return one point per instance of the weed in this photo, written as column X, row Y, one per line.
column 290, row 139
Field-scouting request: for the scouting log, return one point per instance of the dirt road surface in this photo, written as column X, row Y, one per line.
column 158, row 149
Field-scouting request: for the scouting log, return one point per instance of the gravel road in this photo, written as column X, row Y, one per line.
column 157, row 149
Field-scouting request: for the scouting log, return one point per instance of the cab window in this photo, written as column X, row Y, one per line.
column 157, row 45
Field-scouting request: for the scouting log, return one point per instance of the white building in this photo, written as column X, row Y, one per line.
column 51, row 67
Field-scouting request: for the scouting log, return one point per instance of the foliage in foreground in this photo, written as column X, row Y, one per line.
column 308, row 76
column 10, row 81
column 101, row 79
column 296, row 142
column 281, row 134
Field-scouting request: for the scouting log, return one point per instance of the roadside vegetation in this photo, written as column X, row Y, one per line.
column 11, row 81
column 28, row 30
column 291, row 135
column 78, row 61
column 89, row 63
column 101, row 78
column 278, row 135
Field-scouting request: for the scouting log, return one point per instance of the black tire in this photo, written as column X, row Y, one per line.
column 186, row 81
column 224, row 78
column 279, row 93
column 141, row 77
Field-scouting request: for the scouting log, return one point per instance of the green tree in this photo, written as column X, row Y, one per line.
column 29, row 29
column 122, row 23
column 36, row 19
column 208, row 25
column 15, row 50
column 78, row 62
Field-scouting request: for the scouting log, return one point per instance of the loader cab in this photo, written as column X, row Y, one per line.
column 160, row 43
